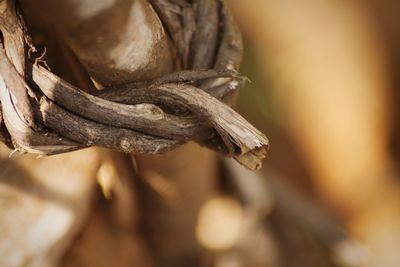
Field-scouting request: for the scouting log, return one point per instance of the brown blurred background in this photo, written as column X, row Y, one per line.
column 325, row 89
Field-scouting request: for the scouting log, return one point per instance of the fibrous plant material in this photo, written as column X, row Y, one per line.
column 45, row 114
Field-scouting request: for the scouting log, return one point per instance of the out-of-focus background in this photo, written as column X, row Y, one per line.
column 323, row 86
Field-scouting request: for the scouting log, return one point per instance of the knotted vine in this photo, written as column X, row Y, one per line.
column 44, row 114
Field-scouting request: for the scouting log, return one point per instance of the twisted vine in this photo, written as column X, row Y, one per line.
column 44, row 114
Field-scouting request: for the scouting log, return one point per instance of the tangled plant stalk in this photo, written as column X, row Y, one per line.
column 44, row 114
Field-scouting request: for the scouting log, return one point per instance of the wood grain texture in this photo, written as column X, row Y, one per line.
column 45, row 114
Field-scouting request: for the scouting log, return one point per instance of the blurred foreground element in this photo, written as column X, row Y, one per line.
column 172, row 187
column 43, row 205
column 110, row 236
column 330, row 71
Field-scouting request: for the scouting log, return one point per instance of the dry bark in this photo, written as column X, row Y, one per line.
column 143, row 108
column 133, row 128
